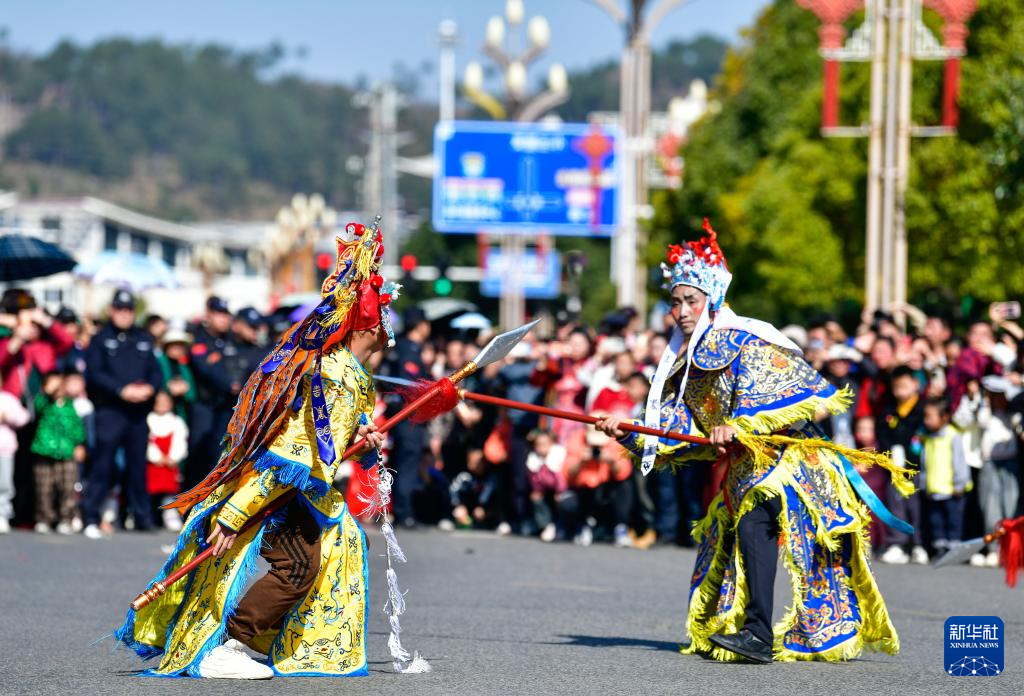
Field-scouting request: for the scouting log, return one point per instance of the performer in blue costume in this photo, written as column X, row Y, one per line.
column 787, row 488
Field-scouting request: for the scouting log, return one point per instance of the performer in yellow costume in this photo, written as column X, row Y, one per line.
column 309, row 400
column 786, row 490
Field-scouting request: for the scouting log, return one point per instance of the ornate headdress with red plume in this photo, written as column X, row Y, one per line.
column 699, row 264
column 356, row 296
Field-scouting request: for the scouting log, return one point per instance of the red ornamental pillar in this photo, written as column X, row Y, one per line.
column 832, row 14
column 955, row 14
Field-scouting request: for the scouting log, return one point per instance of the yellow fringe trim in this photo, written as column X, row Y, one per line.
column 771, row 420
column 876, row 631
column 764, row 448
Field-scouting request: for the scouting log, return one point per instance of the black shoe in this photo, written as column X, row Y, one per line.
column 746, row 644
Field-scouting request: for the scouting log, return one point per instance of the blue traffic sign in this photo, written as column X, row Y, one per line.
column 557, row 178
column 539, row 275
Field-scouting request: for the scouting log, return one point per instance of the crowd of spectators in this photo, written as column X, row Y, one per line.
column 100, row 422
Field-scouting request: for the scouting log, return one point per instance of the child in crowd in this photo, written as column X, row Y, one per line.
column 545, row 466
column 897, row 429
column 13, row 415
column 58, row 449
column 474, row 492
column 168, row 447
column 945, row 476
column 74, row 388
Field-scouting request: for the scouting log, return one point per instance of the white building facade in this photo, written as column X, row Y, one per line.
column 87, row 226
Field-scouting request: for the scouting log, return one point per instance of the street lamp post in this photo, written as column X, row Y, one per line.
column 634, row 112
column 448, row 37
column 517, row 106
column 892, row 37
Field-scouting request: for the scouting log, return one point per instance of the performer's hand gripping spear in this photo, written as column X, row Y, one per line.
column 427, row 400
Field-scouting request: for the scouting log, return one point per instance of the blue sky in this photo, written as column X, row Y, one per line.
column 345, row 38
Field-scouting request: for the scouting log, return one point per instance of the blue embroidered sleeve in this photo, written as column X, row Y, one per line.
column 671, row 452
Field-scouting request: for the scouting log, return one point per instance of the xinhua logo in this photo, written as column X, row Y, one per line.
column 974, row 646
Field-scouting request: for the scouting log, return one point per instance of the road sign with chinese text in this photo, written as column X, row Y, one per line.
column 525, row 177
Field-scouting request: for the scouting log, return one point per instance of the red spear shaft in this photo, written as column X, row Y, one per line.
column 580, row 417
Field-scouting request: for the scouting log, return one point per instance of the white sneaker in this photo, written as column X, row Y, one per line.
column 504, row 529
column 548, row 534
column 919, row 556
column 978, row 560
column 229, row 661
column 172, row 520
column 76, row 525
column 992, row 559
column 622, row 539
column 5, row 526
column 446, row 525
column 895, row 555
column 64, row 528
column 42, row 528
column 585, row 536
column 93, row 531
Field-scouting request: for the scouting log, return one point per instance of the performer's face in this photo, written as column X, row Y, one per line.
column 687, row 304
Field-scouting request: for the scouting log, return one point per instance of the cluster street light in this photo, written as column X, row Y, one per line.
column 502, row 47
column 291, row 248
column 634, row 116
column 497, row 45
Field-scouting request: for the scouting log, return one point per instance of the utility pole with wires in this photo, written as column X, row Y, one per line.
column 380, row 167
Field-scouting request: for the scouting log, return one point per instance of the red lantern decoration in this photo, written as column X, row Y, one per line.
column 955, row 14
column 832, row 14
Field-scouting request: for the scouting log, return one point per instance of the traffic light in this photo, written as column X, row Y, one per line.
column 442, row 287
column 443, row 284
column 325, row 262
column 410, row 286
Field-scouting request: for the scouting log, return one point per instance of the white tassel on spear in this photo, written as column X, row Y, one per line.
column 395, row 605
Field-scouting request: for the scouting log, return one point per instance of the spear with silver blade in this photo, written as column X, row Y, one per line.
column 1009, row 534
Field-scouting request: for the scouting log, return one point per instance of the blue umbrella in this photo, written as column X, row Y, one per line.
column 23, row 257
column 134, row 272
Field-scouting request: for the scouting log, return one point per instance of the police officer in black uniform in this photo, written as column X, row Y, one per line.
column 122, row 376
column 408, row 439
column 215, row 396
column 244, row 351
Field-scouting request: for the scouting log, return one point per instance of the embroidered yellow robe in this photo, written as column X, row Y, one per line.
column 324, row 634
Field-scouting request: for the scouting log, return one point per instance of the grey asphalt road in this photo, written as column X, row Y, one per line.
column 493, row 616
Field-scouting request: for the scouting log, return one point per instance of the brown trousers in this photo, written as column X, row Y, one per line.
column 293, row 552
column 55, row 480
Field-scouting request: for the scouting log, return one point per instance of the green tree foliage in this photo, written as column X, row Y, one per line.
column 789, row 205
